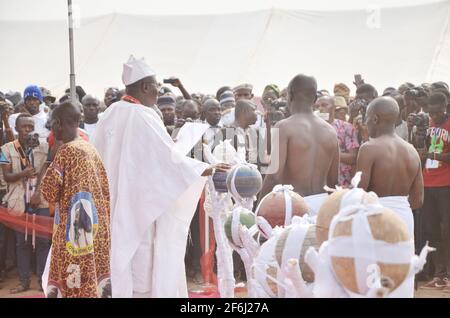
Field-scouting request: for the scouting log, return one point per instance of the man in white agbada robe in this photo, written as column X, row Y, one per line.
column 154, row 191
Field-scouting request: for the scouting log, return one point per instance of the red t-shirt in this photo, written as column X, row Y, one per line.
column 437, row 173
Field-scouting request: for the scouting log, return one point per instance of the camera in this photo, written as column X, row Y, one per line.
column 421, row 122
column 415, row 92
column 278, row 103
column 168, row 81
column 412, row 93
column 275, row 116
column 32, row 140
column 359, row 107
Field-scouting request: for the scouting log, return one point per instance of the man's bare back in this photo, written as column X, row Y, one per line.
column 307, row 150
column 395, row 165
column 308, row 153
column 390, row 166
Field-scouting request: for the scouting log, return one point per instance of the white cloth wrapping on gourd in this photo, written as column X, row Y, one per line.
column 361, row 246
column 264, row 260
column 219, row 204
column 285, row 188
column 263, row 225
column 295, row 284
column 287, row 279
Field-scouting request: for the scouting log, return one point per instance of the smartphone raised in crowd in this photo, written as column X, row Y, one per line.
column 168, row 81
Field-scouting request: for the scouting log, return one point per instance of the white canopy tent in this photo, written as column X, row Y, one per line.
column 209, row 44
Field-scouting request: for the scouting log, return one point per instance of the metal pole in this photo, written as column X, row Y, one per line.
column 72, row 63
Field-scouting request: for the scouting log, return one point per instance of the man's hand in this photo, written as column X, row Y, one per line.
column 176, row 82
column 5, row 114
column 359, row 82
column 29, row 172
column 221, row 167
column 35, row 199
column 180, row 122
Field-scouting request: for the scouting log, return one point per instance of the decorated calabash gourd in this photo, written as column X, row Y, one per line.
column 223, row 152
column 329, row 209
column 239, row 216
column 244, row 181
column 293, row 242
column 385, row 226
column 220, row 181
column 279, row 206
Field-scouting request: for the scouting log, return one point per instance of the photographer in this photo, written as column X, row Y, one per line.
column 26, row 157
column 417, row 115
column 273, row 105
column 436, row 176
column 365, row 93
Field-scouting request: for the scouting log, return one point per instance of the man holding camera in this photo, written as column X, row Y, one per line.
column 417, row 117
column 436, row 175
column 26, row 157
column 365, row 93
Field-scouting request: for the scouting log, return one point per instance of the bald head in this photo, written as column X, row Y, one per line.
column 382, row 113
column 302, row 92
column 326, row 99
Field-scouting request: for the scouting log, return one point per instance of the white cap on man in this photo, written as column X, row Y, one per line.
column 135, row 70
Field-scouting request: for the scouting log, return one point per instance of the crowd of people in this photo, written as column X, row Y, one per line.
column 100, row 169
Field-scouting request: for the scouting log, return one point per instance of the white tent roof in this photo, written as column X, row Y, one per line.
column 57, row 9
column 210, row 45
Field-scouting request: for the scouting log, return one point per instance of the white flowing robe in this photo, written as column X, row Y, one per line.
column 400, row 205
column 154, row 193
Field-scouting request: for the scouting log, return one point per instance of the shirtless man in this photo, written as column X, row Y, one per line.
column 390, row 166
column 392, row 169
column 307, row 149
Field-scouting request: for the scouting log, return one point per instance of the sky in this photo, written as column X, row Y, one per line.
column 57, row 9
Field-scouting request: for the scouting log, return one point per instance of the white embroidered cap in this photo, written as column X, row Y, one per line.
column 135, row 70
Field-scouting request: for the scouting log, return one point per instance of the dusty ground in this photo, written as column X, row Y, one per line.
column 12, row 280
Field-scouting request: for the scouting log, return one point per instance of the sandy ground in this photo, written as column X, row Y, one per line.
column 11, row 281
